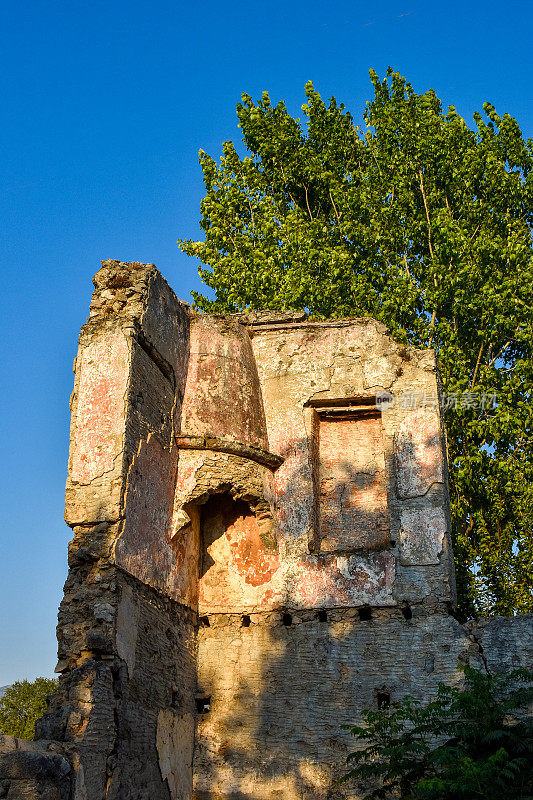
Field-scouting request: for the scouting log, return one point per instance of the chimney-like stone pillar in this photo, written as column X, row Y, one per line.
column 125, row 704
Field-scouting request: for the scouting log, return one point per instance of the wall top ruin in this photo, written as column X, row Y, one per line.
column 336, row 498
column 261, row 546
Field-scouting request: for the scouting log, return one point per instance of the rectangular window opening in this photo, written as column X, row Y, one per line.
column 350, row 479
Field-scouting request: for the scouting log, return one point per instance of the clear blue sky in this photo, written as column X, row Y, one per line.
column 105, row 106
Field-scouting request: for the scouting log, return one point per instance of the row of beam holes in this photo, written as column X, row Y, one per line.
column 322, row 616
column 365, row 614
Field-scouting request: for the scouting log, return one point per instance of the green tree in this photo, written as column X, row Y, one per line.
column 470, row 743
column 22, row 704
column 425, row 224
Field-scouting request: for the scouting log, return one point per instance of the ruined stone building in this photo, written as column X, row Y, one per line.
column 261, row 550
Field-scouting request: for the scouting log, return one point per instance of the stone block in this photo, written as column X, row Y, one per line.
column 422, row 535
column 418, row 449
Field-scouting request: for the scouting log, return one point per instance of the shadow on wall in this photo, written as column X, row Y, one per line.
column 221, row 516
column 280, row 693
column 275, row 688
column 273, row 728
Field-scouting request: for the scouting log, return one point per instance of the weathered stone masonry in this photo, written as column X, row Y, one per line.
column 261, row 550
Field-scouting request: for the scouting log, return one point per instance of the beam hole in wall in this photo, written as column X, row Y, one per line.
column 245, row 621
column 407, row 612
column 365, row 613
column 383, row 698
column 322, row 615
column 203, row 704
column 176, row 698
column 286, row 619
column 203, row 622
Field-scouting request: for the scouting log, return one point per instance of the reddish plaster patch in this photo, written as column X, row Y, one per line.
column 234, row 556
column 253, row 563
column 100, row 408
column 222, row 392
column 189, row 463
column 186, row 544
column 144, row 548
column 179, row 546
column 268, row 599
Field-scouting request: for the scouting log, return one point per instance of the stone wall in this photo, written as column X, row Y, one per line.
column 354, row 510
column 279, row 694
column 506, row 643
column 261, row 551
column 344, row 592
column 34, row 770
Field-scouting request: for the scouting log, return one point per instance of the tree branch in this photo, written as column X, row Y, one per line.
column 427, row 212
column 497, row 356
column 287, row 185
column 246, row 190
column 307, row 202
column 336, row 213
column 434, row 314
column 474, row 376
column 432, row 327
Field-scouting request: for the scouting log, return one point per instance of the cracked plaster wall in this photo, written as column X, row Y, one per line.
column 211, row 639
column 297, row 369
column 279, row 693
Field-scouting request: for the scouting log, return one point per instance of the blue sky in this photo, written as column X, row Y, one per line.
column 105, row 106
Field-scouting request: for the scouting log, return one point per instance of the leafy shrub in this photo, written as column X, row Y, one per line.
column 470, row 743
column 22, row 704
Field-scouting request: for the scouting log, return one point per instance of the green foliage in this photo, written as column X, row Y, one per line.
column 22, row 704
column 466, row 744
column 424, row 224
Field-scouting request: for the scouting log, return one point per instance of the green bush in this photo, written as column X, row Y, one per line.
column 470, row 743
column 22, row 704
